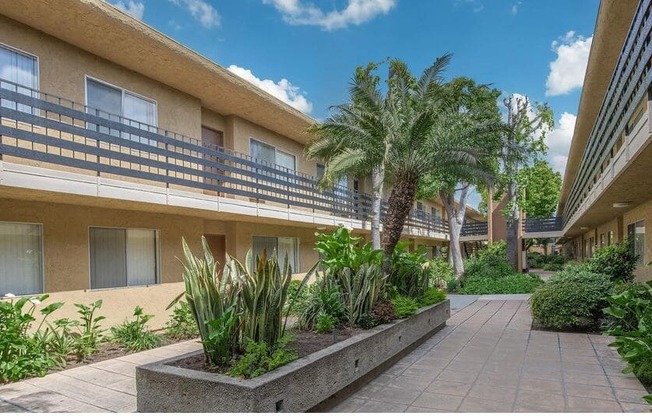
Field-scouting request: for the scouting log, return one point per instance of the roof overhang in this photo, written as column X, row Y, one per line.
column 612, row 25
column 103, row 30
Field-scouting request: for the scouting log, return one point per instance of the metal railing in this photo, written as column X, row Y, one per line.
column 628, row 86
column 543, row 225
column 43, row 127
column 474, row 228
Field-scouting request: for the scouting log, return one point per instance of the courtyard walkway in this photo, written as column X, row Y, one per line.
column 485, row 360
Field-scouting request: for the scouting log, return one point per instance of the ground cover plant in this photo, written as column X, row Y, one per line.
column 488, row 272
column 134, row 335
column 181, row 324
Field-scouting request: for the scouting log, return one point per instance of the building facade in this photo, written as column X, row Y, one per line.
column 116, row 142
column 607, row 194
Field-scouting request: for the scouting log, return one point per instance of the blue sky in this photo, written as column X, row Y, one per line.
column 305, row 52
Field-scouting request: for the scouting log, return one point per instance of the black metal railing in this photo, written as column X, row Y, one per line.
column 543, row 225
column 43, row 127
column 474, row 228
column 629, row 85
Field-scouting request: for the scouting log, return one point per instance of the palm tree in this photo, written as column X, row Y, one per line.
column 355, row 140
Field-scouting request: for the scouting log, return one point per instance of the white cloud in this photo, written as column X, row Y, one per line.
column 559, row 140
column 567, row 71
column 283, row 90
column 133, row 8
column 475, row 4
column 203, row 12
column 356, row 12
column 515, row 7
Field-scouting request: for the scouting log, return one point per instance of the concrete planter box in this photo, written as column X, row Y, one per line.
column 296, row 387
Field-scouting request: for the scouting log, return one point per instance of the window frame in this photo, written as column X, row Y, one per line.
column 42, row 248
column 157, row 245
column 30, row 55
column 123, row 91
column 641, row 259
column 276, row 150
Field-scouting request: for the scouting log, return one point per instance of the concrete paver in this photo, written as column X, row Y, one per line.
column 487, row 359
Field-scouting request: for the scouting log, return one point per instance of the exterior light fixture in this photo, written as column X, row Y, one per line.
column 622, row 204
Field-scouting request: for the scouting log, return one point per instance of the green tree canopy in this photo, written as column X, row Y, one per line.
column 540, row 187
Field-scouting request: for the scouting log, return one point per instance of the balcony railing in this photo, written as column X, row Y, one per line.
column 543, row 225
column 46, row 128
column 474, row 228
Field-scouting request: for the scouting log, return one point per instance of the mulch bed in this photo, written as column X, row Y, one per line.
column 304, row 343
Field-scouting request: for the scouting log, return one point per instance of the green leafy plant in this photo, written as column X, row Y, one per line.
column 384, row 312
column 90, row 332
column 453, row 285
column 325, row 323
column 441, row 272
column 409, row 272
column 259, row 358
column 490, row 262
column 405, row 306
column 60, row 339
column 431, row 296
column 23, row 355
column 572, row 299
column 617, row 261
column 631, row 311
column 297, row 293
column 320, row 300
column 181, row 325
column 134, row 335
column 366, row 321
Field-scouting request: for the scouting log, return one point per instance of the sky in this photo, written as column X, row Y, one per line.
column 305, row 52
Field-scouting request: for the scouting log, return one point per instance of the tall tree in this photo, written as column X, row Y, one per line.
column 475, row 123
column 356, row 138
column 540, row 187
column 523, row 143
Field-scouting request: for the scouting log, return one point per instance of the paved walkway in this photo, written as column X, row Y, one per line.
column 107, row 386
column 485, row 360
column 488, row 360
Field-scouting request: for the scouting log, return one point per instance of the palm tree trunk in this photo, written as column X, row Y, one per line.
column 455, row 223
column 512, row 227
column 377, row 179
column 398, row 207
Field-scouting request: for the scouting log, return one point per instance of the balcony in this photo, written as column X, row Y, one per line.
column 89, row 148
column 543, row 227
column 475, row 231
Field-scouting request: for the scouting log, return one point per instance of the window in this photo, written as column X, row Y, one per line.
column 435, row 212
column 321, row 169
column 636, row 233
column 281, row 245
column 18, row 68
column 271, row 155
column 123, row 257
column 420, row 206
column 610, row 238
column 21, row 258
column 602, row 240
column 120, row 105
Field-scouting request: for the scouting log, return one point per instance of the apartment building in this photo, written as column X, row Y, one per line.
column 116, row 142
column 607, row 193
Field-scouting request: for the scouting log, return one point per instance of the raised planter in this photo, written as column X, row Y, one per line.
column 295, row 387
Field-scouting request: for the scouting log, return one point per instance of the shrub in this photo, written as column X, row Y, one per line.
column 325, row 323
column 320, row 300
column 571, row 299
column 405, row 306
column 616, row 261
column 626, row 304
column 432, row 296
column 452, row 286
column 409, row 272
column 182, row 325
column 512, row 284
column 490, row 262
column 552, row 267
column 384, row 312
column 134, row 335
column 259, row 359
column 441, row 272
